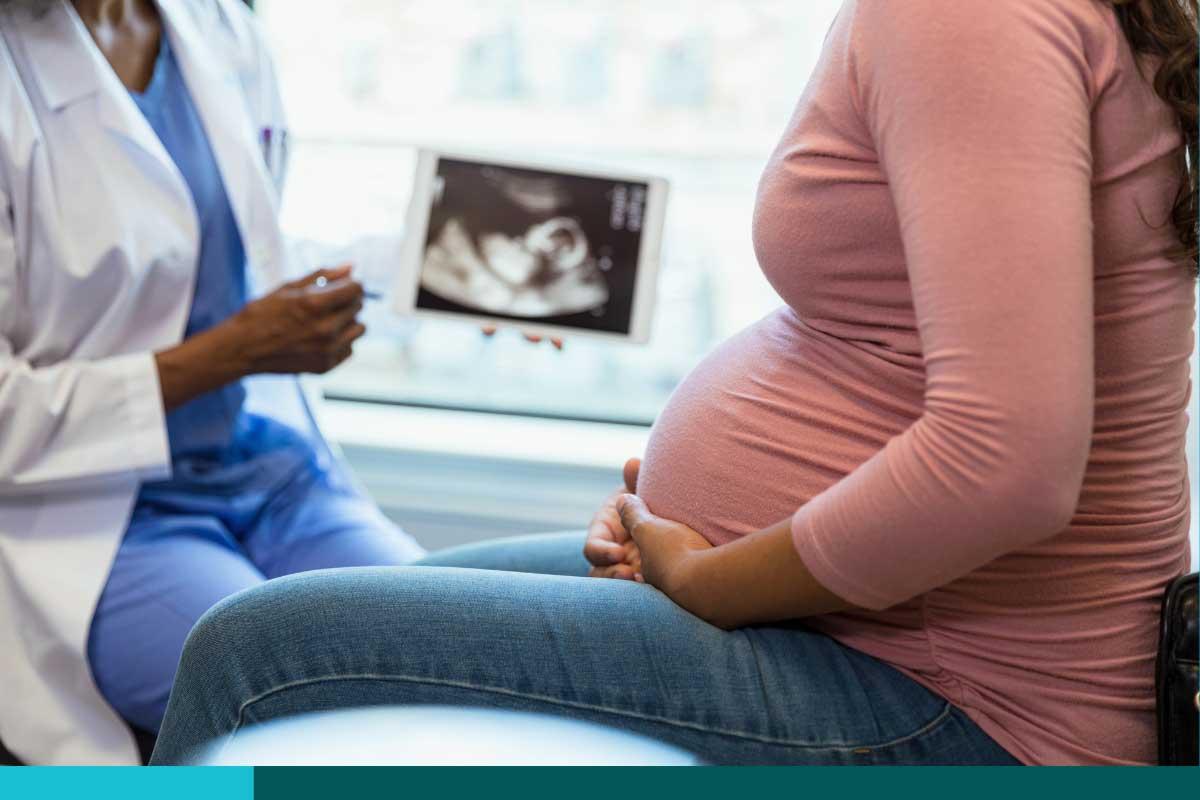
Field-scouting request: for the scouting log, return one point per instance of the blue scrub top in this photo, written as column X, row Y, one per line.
column 214, row 443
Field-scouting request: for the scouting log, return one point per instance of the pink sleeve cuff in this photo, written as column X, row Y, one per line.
column 808, row 544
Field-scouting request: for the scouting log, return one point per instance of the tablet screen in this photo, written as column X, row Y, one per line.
column 555, row 249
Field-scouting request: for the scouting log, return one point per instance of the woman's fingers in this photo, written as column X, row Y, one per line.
column 632, row 467
column 608, row 543
column 621, row 572
column 601, row 526
column 609, row 517
column 606, row 539
column 635, row 516
column 602, row 553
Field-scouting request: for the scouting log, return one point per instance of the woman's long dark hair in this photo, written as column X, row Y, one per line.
column 1167, row 31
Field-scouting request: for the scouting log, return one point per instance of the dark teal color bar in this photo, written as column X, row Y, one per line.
column 728, row 783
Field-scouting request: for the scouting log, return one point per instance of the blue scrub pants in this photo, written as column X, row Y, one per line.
column 185, row 550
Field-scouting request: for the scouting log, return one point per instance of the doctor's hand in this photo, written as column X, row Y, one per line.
column 609, row 548
column 309, row 325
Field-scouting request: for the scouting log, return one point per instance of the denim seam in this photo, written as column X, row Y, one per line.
column 762, row 681
column 924, row 729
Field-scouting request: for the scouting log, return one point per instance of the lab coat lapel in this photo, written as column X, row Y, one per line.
column 70, row 70
column 217, row 94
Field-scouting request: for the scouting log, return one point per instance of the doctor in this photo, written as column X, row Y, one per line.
column 156, row 452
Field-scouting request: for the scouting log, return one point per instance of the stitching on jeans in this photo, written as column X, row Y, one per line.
column 762, row 681
column 926, row 728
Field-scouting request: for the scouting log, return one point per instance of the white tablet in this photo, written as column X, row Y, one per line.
column 551, row 250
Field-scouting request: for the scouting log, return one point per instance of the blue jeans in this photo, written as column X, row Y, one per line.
column 511, row 625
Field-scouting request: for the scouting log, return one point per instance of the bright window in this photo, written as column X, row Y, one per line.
column 696, row 91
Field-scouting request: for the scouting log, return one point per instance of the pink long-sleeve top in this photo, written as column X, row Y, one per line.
column 976, row 393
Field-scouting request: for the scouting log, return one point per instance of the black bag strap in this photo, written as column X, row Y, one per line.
column 1178, row 694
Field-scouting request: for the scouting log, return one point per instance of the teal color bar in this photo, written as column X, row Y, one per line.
column 930, row 783
column 127, row 783
column 725, row 783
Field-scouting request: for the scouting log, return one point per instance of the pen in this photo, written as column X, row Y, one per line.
column 367, row 293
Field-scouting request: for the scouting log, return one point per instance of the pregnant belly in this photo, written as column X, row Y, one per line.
column 769, row 420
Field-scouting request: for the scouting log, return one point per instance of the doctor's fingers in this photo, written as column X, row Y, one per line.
column 320, row 299
column 333, row 323
column 335, row 360
column 328, row 274
column 335, row 352
column 349, row 336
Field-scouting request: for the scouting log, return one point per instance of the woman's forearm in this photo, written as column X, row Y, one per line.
column 756, row 579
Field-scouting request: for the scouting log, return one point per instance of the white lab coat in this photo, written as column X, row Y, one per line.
column 98, row 250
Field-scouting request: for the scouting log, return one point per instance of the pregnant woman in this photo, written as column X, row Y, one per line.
column 924, row 512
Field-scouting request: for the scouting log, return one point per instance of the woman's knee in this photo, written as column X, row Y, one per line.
column 231, row 627
column 269, row 632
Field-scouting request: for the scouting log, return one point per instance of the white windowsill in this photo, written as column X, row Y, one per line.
column 453, row 477
column 494, row 437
